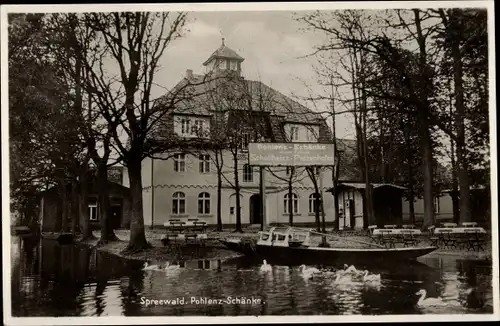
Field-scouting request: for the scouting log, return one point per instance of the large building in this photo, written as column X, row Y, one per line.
column 221, row 106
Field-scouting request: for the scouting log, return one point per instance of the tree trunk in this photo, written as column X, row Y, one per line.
column 64, row 206
column 411, row 195
column 107, row 233
column 463, row 175
column 316, row 199
column 237, row 191
column 290, row 194
column 426, row 146
column 219, row 201
column 75, row 207
column 464, row 189
column 137, row 240
column 84, row 206
column 316, row 211
column 424, row 125
column 454, row 185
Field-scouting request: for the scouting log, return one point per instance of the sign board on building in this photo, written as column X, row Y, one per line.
column 291, row 154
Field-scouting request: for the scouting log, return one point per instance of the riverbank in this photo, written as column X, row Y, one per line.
column 213, row 248
column 159, row 253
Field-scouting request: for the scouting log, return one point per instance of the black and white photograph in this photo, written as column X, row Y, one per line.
column 249, row 162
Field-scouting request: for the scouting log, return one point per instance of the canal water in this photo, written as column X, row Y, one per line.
column 52, row 280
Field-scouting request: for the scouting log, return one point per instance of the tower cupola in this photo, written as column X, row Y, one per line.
column 223, row 60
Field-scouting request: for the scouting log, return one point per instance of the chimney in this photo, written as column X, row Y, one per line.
column 189, row 74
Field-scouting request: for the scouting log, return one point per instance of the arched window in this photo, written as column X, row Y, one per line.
column 179, row 203
column 312, row 206
column 204, row 203
column 295, row 204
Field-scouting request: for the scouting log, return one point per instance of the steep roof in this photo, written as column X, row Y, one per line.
column 224, row 52
column 204, row 94
column 349, row 167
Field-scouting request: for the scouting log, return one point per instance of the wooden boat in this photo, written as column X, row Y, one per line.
column 292, row 246
column 61, row 237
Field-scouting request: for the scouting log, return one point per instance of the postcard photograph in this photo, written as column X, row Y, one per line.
column 179, row 163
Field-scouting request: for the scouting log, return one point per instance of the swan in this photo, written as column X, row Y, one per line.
column 265, row 267
column 308, row 272
column 371, row 278
column 169, row 267
column 342, row 279
column 148, row 267
column 350, row 269
column 429, row 301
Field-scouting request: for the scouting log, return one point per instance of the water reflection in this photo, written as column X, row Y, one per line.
column 53, row 280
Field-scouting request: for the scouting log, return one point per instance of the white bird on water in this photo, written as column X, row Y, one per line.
column 265, row 267
column 343, row 279
column 423, row 302
column 308, row 272
column 371, row 278
column 350, row 269
column 148, row 267
column 169, row 267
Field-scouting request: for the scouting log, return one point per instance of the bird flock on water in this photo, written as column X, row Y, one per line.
column 346, row 276
column 350, row 275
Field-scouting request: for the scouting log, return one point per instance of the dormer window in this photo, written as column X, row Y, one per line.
column 185, row 123
column 192, row 126
column 294, row 133
column 197, row 129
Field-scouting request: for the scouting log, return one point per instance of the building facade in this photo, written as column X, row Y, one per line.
column 443, row 207
column 224, row 106
column 51, row 208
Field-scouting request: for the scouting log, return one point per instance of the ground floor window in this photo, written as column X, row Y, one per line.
column 295, row 203
column 204, row 203
column 93, row 212
column 312, row 203
column 179, row 203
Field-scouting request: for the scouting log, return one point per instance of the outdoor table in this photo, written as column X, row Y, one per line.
column 396, row 231
column 450, row 225
column 200, row 226
column 393, row 236
column 409, row 237
column 459, row 230
column 175, row 226
column 469, row 224
column 386, row 238
column 450, row 237
column 474, row 239
column 445, row 235
column 371, row 228
column 390, row 226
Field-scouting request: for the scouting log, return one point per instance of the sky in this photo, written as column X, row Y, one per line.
column 271, row 42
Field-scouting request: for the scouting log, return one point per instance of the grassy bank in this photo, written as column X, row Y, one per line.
column 159, row 253
column 213, row 249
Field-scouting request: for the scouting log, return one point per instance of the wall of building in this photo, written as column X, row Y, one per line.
column 192, row 182
column 443, row 208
